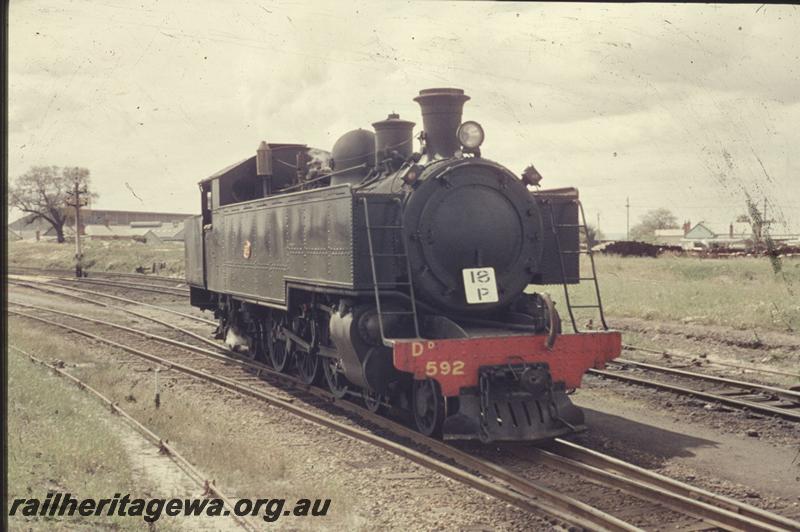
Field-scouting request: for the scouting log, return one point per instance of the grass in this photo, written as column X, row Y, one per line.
column 48, row 421
column 252, row 466
column 743, row 292
column 740, row 292
column 101, row 255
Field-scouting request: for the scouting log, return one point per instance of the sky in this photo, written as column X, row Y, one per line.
column 694, row 108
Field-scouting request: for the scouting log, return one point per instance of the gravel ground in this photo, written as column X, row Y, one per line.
column 763, row 340
column 679, row 445
column 750, row 457
column 390, row 492
column 642, row 513
column 725, row 419
column 746, row 455
column 765, row 350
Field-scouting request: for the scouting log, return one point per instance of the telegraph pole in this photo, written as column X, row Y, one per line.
column 628, row 218
column 766, row 223
column 78, row 253
column 75, row 200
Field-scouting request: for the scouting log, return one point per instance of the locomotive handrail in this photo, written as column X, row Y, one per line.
column 388, row 342
column 472, row 161
column 320, row 178
column 555, row 227
column 594, row 270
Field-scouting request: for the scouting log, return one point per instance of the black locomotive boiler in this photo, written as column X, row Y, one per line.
column 399, row 276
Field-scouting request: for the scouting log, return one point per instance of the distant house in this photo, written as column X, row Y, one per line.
column 112, row 232
column 737, row 235
column 29, row 229
column 700, row 232
column 172, row 232
column 106, row 217
column 101, row 224
column 12, row 235
column 670, row 237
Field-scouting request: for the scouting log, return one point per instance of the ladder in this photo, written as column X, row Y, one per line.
column 581, row 225
column 395, row 229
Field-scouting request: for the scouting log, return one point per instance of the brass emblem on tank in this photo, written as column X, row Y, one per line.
column 246, row 249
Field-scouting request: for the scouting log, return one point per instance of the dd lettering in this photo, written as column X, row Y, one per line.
column 481, row 276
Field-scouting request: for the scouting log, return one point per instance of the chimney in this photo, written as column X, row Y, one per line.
column 441, row 116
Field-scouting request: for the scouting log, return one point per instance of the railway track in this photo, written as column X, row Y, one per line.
column 630, row 478
column 775, row 401
column 158, row 284
column 741, row 367
column 168, row 290
column 751, row 396
column 662, row 492
column 48, row 288
column 92, row 274
column 164, row 447
column 505, row 485
column 185, row 291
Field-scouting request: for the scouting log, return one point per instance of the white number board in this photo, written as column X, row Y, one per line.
column 480, row 285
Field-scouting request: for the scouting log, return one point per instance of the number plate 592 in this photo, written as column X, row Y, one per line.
column 443, row 367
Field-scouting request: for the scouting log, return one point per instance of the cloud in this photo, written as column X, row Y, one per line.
column 160, row 97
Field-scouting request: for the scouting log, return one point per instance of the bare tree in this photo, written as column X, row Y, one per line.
column 43, row 190
column 652, row 220
column 594, row 235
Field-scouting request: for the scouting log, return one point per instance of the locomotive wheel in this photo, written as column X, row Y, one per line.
column 278, row 354
column 373, row 401
column 428, row 406
column 336, row 380
column 308, row 364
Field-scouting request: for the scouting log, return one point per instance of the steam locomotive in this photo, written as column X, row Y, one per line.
column 401, row 277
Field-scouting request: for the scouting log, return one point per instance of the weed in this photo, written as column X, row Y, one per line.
column 48, row 447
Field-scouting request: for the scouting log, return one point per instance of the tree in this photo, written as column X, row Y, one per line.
column 652, row 220
column 43, row 191
column 594, row 234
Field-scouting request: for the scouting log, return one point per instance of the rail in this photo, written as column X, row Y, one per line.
column 525, row 495
column 713, row 508
column 164, row 447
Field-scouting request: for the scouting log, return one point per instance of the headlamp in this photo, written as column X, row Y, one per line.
column 470, row 135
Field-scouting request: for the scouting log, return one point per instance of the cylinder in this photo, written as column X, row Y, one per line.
column 441, row 116
column 393, row 135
